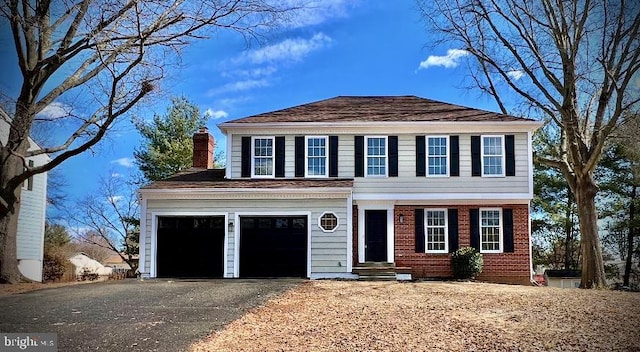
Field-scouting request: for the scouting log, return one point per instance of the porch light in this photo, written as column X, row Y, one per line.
column 401, row 218
column 230, row 225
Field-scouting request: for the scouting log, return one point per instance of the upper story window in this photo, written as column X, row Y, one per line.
column 490, row 230
column 262, row 157
column 492, row 156
column 316, row 157
column 376, row 156
column 437, row 156
column 436, row 230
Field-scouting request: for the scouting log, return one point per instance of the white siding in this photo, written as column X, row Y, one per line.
column 328, row 250
column 407, row 182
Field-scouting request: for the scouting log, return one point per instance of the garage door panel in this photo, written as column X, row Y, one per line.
column 273, row 246
column 190, row 246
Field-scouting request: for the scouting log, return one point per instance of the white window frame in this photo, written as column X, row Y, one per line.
column 446, row 231
column 326, row 155
column 320, row 221
column 366, row 155
column 502, row 156
column 273, row 156
column 447, row 155
column 501, row 234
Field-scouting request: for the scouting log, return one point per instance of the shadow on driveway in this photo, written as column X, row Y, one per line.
column 132, row 315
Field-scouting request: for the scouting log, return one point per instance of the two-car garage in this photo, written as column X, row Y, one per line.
column 269, row 246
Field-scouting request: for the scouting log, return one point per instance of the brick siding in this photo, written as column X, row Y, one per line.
column 511, row 268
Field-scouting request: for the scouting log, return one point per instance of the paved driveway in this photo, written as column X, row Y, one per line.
column 131, row 315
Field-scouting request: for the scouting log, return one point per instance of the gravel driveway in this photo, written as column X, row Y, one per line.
column 131, row 315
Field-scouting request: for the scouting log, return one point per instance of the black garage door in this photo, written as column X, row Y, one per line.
column 273, row 246
column 190, row 247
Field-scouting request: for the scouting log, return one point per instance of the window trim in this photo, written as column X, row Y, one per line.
column 500, row 230
column 306, row 156
column 502, row 156
column 273, row 157
column 320, row 221
column 447, row 155
column 386, row 156
column 446, row 231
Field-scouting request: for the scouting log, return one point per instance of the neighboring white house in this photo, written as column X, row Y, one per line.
column 33, row 203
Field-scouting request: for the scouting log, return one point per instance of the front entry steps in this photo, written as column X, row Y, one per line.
column 381, row 271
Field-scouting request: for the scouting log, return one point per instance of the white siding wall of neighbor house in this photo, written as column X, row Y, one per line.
column 407, row 182
column 30, row 239
column 329, row 250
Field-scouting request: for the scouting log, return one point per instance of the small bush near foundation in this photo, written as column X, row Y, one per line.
column 466, row 263
column 53, row 266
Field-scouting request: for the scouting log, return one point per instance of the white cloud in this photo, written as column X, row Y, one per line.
column 288, row 50
column 116, row 175
column 314, row 12
column 239, row 86
column 515, row 74
column 254, row 73
column 216, row 114
column 448, row 61
column 55, row 110
column 126, row 162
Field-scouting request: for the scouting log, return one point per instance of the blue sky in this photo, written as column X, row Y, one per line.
column 340, row 48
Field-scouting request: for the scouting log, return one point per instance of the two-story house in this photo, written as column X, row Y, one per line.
column 319, row 189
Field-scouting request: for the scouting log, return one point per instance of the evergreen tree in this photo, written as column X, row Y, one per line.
column 168, row 147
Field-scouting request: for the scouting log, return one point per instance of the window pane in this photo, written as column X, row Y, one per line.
column 263, row 157
column 436, row 230
column 492, row 155
column 437, row 156
column 376, row 156
column 316, row 156
column 490, row 230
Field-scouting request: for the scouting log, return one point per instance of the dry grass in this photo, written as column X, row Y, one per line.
column 432, row 316
column 11, row 289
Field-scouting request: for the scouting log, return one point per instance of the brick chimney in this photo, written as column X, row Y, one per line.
column 203, row 145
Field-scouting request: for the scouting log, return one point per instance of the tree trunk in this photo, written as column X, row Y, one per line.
column 630, row 237
column 592, row 264
column 9, row 271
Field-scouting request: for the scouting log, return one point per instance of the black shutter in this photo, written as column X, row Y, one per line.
column 419, row 222
column 507, row 230
column 510, row 163
column 333, row 156
column 359, row 166
column 454, row 161
column 299, row 150
column 245, row 163
column 452, row 215
column 279, row 166
column 420, row 156
column 393, row 156
column 474, row 215
column 475, row 156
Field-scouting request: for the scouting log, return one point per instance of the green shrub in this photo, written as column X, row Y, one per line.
column 466, row 263
column 53, row 266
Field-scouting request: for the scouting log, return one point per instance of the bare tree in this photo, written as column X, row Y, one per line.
column 573, row 63
column 94, row 60
column 110, row 218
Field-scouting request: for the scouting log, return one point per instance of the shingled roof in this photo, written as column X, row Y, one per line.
column 214, row 178
column 377, row 109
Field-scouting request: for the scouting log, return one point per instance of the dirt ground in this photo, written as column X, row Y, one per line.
column 434, row 316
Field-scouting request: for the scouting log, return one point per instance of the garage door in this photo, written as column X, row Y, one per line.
column 190, row 247
column 273, row 246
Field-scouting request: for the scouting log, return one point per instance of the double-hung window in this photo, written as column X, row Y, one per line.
column 262, row 155
column 490, row 230
column 492, row 156
column 437, row 152
column 435, row 222
column 317, row 157
column 376, row 156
